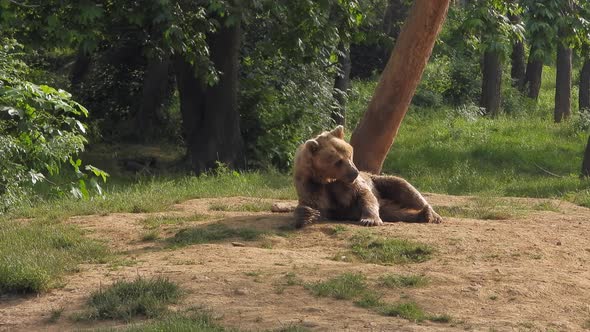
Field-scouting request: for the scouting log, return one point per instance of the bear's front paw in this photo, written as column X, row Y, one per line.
column 431, row 217
column 371, row 222
column 304, row 215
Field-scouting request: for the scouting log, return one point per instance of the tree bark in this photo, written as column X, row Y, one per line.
column 491, row 86
column 586, row 161
column 341, row 85
column 376, row 131
column 563, row 83
column 153, row 96
column 584, row 96
column 534, row 72
column 517, row 72
column 211, row 121
column 80, row 67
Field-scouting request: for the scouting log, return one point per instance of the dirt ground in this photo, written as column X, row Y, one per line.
column 526, row 273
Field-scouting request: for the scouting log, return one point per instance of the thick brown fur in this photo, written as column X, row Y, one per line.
column 330, row 186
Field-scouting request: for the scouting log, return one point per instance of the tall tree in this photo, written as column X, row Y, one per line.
column 584, row 93
column 376, row 131
column 341, row 85
column 518, row 68
column 563, row 80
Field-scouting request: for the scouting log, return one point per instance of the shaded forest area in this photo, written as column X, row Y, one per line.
column 241, row 84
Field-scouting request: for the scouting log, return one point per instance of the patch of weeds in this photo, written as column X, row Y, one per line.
column 338, row 229
column 213, row 233
column 125, row 300
column 408, row 310
column 399, row 281
column 444, row 318
column 152, row 222
column 547, row 206
column 35, row 255
column 493, row 297
column 371, row 249
column 201, row 322
column 344, row 287
column 54, row 315
column 253, row 273
column 152, row 235
column 291, row 279
column 244, row 207
column 369, row 299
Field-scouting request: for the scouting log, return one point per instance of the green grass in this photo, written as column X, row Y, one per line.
column 139, row 298
column 213, row 233
column 178, row 322
column 371, row 249
column 344, row 287
column 354, row 286
column 153, row 222
column 151, row 235
column 34, row 256
column 401, row 281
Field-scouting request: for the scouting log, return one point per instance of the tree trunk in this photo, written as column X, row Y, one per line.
column 491, row 87
column 376, row 131
column 80, row 67
column 341, row 85
column 210, row 113
column 154, row 93
column 584, row 96
column 586, row 161
column 517, row 72
column 563, row 83
column 534, row 72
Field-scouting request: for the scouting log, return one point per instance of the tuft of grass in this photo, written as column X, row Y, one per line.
column 126, row 300
column 149, row 236
column 213, row 233
column 343, row 287
column 338, row 229
column 371, row 249
column 244, row 207
column 369, row 299
column 35, row 255
column 201, row 322
column 444, row 318
column 399, row 281
column 293, row 328
column 408, row 310
column 153, row 222
column 55, row 315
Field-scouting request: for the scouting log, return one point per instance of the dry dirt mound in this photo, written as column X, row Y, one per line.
column 526, row 272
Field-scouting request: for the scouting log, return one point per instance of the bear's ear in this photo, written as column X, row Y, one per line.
column 338, row 132
column 312, row 145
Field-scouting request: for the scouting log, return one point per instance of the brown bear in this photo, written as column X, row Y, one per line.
column 330, row 186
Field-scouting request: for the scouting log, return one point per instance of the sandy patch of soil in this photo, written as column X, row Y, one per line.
column 528, row 273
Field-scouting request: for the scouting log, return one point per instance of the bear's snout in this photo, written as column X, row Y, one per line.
column 352, row 175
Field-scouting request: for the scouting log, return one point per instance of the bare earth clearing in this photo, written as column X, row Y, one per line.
column 526, row 273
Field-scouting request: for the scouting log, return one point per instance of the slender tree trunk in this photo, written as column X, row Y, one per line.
column 154, row 94
column 586, row 161
column 341, row 85
column 534, row 72
column 517, row 72
column 584, row 96
column 395, row 14
column 491, row 86
column 210, row 113
column 563, row 83
column 80, row 67
column 376, row 131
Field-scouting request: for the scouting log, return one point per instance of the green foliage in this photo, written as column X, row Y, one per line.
column 126, row 300
column 191, row 322
column 35, row 255
column 370, row 249
column 344, row 287
column 40, row 133
column 398, row 281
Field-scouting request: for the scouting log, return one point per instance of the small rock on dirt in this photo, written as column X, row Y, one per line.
column 238, row 244
column 241, row 291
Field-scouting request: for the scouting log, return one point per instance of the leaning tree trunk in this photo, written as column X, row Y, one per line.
column 517, row 72
column 563, row 83
column 341, row 85
column 584, row 96
column 210, row 114
column 153, row 96
column 491, row 86
column 376, row 131
column 534, row 72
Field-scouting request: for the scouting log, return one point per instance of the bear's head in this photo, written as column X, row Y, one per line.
column 329, row 157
